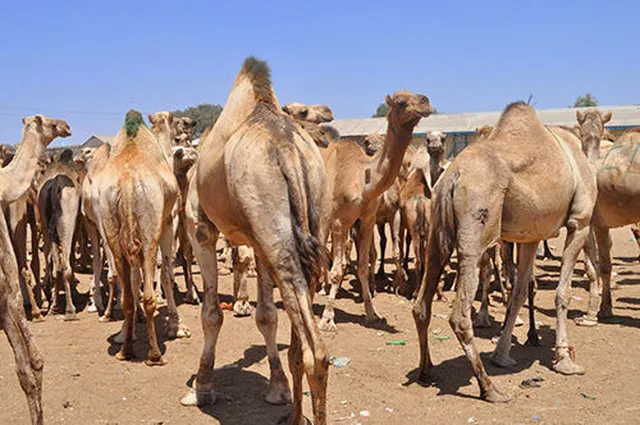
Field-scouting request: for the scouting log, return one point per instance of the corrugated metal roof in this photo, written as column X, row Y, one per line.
column 623, row 116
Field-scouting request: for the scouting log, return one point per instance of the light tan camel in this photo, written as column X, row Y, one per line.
column 58, row 205
column 501, row 188
column 16, row 179
column 136, row 192
column 261, row 181
column 357, row 182
column 315, row 114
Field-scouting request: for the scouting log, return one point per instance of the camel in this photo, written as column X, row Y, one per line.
column 316, row 114
column 357, row 182
column 134, row 195
column 497, row 189
column 256, row 163
column 16, row 179
column 58, row 205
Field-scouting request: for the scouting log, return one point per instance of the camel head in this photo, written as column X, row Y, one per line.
column 435, row 143
column 83, row 157
column 47, row 128
column 183, row 158
column 316, row 114
column 66, row 156
column 163, row 123
column 6, row 154
column 591, row 128
column 370, row 143
column 407, row 108
column 483, row 132
column 185, row 128
column 322, row 135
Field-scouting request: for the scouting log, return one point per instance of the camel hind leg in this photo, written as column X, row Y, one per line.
column 241, row 262
column 175, row 328
column 95, row 295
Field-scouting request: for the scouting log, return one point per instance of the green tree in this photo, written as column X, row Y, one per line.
column 586, row 100
column 381, row 111
column 204, row 115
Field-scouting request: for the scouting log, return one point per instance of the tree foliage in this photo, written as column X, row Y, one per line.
column 381, row 111
column 204, row 115
column 586, row 100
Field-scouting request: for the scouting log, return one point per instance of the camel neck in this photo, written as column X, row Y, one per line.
column 591, row 148
column 390, row 160
column 436, row 162
column 18, row 175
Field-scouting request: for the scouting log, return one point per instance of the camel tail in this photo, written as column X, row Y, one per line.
column 130, row 234
column 53, row 211
column 443, row 229
column 305, row 220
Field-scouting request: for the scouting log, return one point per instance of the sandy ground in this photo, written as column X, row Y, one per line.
column 85, row 384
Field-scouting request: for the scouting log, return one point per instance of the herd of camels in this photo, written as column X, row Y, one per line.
column 279, row 184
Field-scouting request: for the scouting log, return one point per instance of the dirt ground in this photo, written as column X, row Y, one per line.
column 85, row 384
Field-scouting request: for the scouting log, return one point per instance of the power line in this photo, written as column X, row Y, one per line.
column 62, row 111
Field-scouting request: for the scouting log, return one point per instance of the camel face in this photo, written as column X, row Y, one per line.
column 83, row 158
column 48, row 127
column 406, row 108
column 163, row 122
column 591, row 126
column 484, row 132
column 185, row 128
column 316, row 114
column 435, row 143
column 184, row 158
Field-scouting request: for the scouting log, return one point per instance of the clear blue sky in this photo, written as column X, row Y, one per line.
column 90, row 61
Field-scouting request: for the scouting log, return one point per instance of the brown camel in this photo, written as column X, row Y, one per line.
column 58, row 205
column 136, row 192
column 257, row 163
column 357, row 182
column 496, row 189
column 16, row 179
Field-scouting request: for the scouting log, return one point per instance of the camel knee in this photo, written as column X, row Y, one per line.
column 266, row 317
column 212, row 317
column 461, row 326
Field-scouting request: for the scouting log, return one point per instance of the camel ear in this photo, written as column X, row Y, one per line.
column 389, row 100
column 606, row 117
column 179, row 153
column 170, row 118
column 580, row 117
column 304, row 113
column 444, row 137
column 152, row 119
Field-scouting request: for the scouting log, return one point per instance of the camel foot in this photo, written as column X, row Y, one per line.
column 178, row 330
column 160, row 301
column 502, row 360
column 533, row 340
column 70, row 317
column 242, row 308
column 92, row 308
column 224, row 271
column 192, row 298
column 252, row 272
column 289, row 420
column 105, row 318
column 155, row 361
column 519, row 321
column 198, row 398
column 605, row 313
column 36, row 318
column 496, row 396
column 566, row 366
column 585, row 321
column 442, row 298
column 371, row 315
column 122, row 356
column 278, row 393
column 482, row 321
column 327, row 325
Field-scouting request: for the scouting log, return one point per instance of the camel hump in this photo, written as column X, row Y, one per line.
column 132, row 122
column 258, row 73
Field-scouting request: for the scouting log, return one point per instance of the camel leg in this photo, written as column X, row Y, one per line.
column 227, row 261
column 532, row 335
column 365, row 236
column 241, row 261
column 496, row 262
column 604, row 252
column 576, row 239
column 635, row 229
column 112, row 274
column 95, row 295
column 27, row 279
column 407, row 246
column 590, row 253
column 547, row 252
column 158, row 286
column 186, row 258
column 383, row 246
column 338, row 238
column 149, row 301
column 175, row 328
column 63, row 257
column 267, row 321
column 128, row 307
column 482, row 318
column 35, row 255
column 28, row 357
column 526, row 258
column 203, row 242
column 397, row 251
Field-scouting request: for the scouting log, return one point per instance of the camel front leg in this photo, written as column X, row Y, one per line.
column 338, row 238
column 590, row 253
column 241, row 262
column 365, row 237
column 95, row 294
column 604, row 252
column 563, row 363
column 397, row 231
column 383, row 246
column 482, row 318
column 267, row 321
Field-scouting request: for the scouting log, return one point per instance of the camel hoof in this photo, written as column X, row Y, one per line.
column 605, row 313
column 519, row 321
column 567, row 367
column 496, row 396
column 122, row 356
column 178, row 331
column 373, row 318
column 92, row 308
column 327, row 325
column 278, row 393
column 586, row 322
column 155, row 362
column 192, row 298
column 105, row 318
column 224, row 271
column 242, row 308
column 70, row 317
column 482, row 321
column 37, row 318
column 502, row 360
column 198, row 398
column 533, row 340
